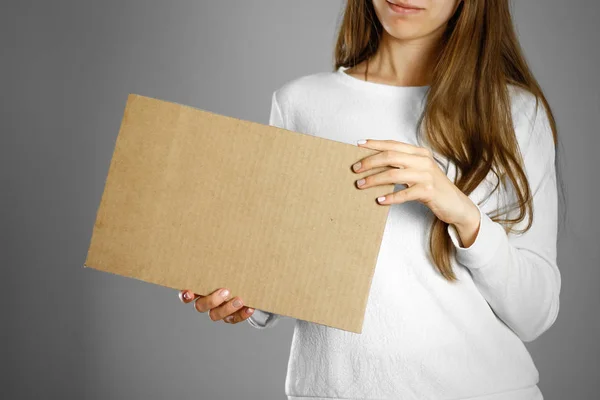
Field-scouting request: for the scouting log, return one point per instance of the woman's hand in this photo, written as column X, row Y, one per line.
column 425, row 181
column 218, row 307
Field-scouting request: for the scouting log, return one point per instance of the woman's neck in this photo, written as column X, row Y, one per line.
column 400, row 62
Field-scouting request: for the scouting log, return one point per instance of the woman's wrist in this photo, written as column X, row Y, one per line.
column 468, row 226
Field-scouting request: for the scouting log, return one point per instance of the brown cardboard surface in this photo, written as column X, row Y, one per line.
column 197, row 200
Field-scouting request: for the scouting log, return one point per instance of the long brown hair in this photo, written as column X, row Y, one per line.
column 479, row 55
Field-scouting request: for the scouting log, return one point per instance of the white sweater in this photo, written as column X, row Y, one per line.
column 424, row 337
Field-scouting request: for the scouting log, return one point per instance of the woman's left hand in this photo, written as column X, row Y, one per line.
column 426, row 182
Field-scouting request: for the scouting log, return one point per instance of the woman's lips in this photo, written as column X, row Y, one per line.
column 403, row 10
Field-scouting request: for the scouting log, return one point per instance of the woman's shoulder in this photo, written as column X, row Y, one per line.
column 306, row 89
column 523, row 102
column 530, row 118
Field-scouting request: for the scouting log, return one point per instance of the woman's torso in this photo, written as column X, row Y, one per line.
column 423, row 337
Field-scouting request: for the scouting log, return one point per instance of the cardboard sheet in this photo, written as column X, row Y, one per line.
column 197, row 200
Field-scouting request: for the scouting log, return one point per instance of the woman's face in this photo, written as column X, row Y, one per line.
column 403, row 23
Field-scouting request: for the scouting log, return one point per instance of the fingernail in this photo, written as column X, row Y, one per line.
column 224, row 293
column 186, row 295
column 360, row 182
column 362, row 141
column 380, row 199
column 356, row 166
column 237, row 303
column 249, row 310
column 229, row 318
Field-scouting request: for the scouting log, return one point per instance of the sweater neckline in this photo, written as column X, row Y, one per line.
column 380, row 87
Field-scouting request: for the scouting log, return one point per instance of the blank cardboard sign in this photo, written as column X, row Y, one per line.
column 197, row 200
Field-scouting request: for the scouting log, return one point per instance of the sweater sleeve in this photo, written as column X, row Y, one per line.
column 518, row 273
column 263, row 319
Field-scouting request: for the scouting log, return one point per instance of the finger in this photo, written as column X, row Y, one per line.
column 223, row 310
column 396, row 146
column 208, row 302
column 391, row 158
column 412, row 193
column 408, row 177
column 241, row 315
column 187, row 296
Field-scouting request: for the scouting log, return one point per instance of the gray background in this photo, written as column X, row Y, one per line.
column 66, row 69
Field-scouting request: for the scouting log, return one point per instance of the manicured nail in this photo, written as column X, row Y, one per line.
column 229, row 318
column 237, row 303
column 380, row 199
column 356, row 166
column 224, row 293
column 249, row 310
column 362, row 141
column 186, row 295
column 360, row 182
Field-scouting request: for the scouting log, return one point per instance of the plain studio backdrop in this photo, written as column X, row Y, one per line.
column 66, row 69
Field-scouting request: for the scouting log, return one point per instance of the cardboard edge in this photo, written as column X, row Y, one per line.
column 367, row 151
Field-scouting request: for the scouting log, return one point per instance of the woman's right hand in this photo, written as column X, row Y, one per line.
column 218, row 307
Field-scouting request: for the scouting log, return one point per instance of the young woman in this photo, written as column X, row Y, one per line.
column 467, row 267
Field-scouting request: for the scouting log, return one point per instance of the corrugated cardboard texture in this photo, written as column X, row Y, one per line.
column 197, row 200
